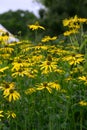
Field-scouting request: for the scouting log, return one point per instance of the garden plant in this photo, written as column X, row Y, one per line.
column 43, row 82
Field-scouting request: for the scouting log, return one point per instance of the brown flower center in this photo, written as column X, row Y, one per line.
column 45, row 84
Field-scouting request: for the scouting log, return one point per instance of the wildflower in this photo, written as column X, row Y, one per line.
column 36, row 26
column 1, row 114
column 82, row 20
column 4, row 38
column 6, row 49
column 74, row 59
column 74, row 26
column 3, row 69
column 36, row 58
column 9, row 91
column 5, row 56
column 17, row 65
column 6, row 86
column 10, row 114
column 60, row 71
column 41, row 47
column 43, row 86
column 49, row 86
column 30, row 91
column 58, row 51
column 83, row 103
column 54, row 85
column 83, row 78
column 66, row 22
column 77, row 70
column 12, row 95
column 48, row 38
column 69, row 79
column 31, row 73
column 67, row 33
column 48, row 66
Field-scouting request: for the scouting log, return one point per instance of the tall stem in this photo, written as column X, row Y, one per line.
column 80, row 119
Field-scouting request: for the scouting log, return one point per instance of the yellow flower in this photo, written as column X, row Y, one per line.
column 40, row 47
column 48, row 66
column 83, row 78
column 4, row 38
column 10, row 114
column 74, row 59
column 3, row 69
column 76, row 70
column 31, row 73
column 6, row 86
column 58, row 51
column 74, row 19
column 60, row 71
column 36, row 26
column 54, row 85
column 30, row 91
column 66, row 22
column 44, row 85
column 74, row 24
column 49, row 86
column 67, row 33
column 1, row 114
column 48, row 38
column 82, row 20
column 12, row 95
column 36, row 59
column 83, row 103
column 6, row 50
column 5, row 56
column 17, row 66
column 9, row 91
column 68, row 78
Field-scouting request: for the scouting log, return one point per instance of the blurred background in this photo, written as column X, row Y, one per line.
column 16, row 15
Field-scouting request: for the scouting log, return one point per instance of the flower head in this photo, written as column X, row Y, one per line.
column 48, row 38
column 10, row 114
column 1, row 114
column 48, row 66
column 36, row 26
column 83, row 103
column 12, row 95
column 49, row 86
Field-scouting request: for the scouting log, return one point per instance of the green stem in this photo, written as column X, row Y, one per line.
column 35, row 36
column 80, row 119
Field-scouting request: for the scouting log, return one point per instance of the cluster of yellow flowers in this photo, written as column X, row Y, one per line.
column 74, row 24
column 28, row 69
column 83, row 103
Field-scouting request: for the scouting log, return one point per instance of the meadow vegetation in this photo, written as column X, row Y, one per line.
column 43, row 82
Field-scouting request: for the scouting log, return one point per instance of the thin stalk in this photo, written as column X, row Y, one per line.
column 71, row 40
column 80, row 119
column 35, row 36
column 81, row 33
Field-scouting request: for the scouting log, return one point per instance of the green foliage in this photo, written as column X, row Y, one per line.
column 17, row 21
column 57, row 10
